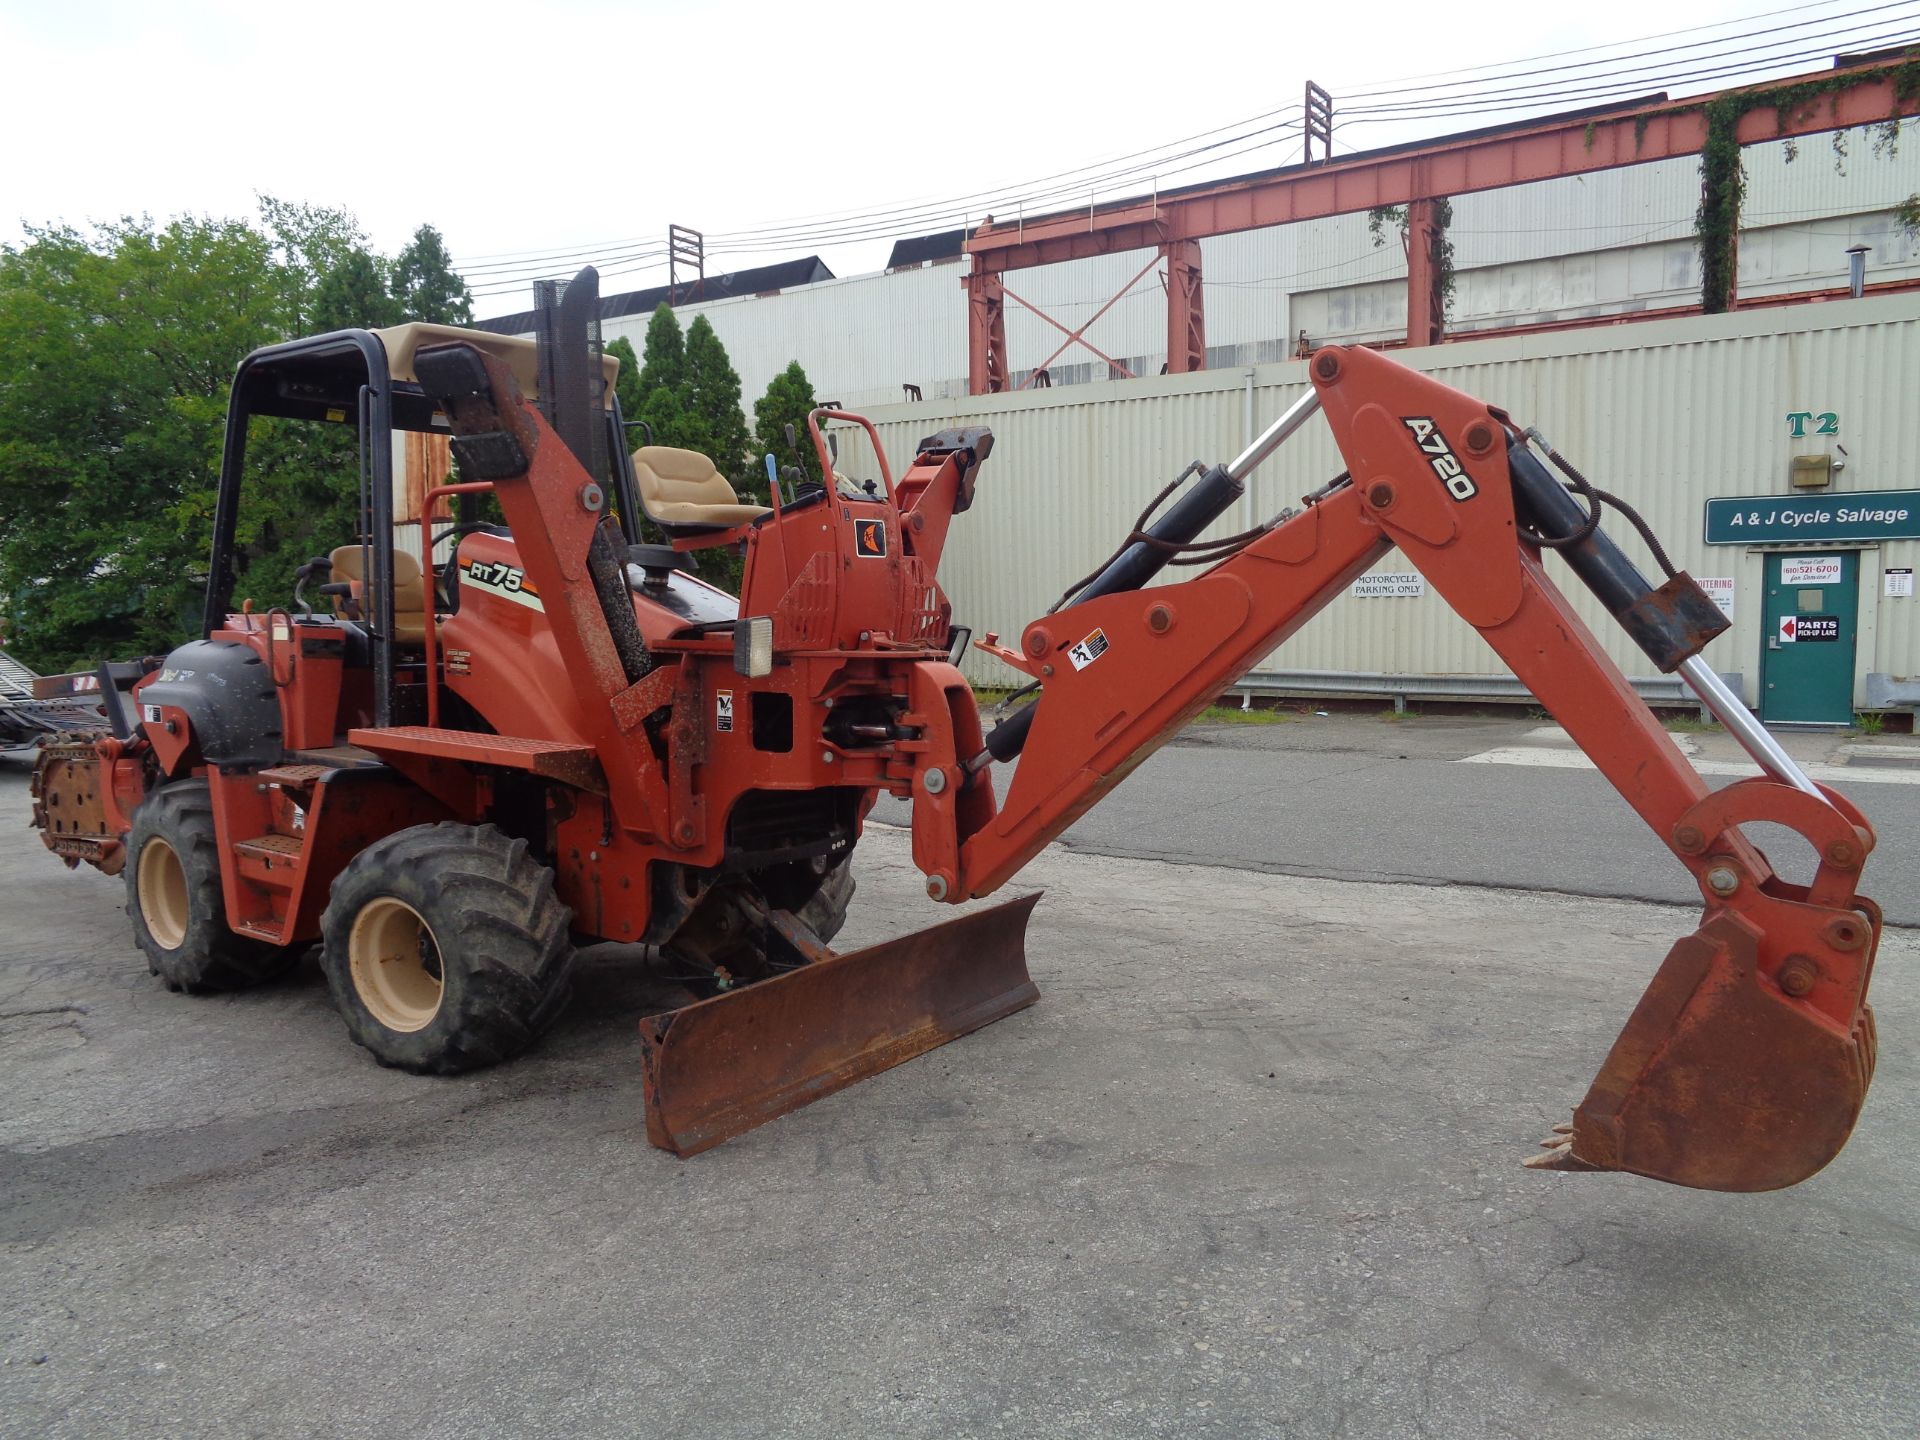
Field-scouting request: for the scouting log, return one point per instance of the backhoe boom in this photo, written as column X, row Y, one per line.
column 1746, row 1063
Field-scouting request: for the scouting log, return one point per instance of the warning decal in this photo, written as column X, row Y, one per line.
column 723, row 710
column 1088, row 650
column 870, row 538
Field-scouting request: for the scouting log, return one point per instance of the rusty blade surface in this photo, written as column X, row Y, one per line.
column 723, row 1066
column 1721, row 1080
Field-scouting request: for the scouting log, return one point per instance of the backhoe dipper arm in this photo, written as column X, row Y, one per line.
column 1746, row 1063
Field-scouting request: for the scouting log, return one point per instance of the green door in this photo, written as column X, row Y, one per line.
column 1806, row 659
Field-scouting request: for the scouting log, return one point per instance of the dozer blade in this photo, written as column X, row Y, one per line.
column 1722, row 1080
column 723, row 1066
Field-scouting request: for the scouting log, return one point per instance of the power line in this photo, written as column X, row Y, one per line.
column 1394, row 87
column 1493, row 93
column 1635, row 77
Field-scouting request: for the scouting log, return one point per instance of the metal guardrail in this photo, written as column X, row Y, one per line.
column 1495, row 689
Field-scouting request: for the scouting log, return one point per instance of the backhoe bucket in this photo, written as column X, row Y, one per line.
column 723, row 1066
column 1728, row 1078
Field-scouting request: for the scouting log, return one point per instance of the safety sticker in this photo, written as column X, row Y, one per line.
column 459, row 662
column 152, row 714
column 1083, row 653
column 723, row 710
column 507, row 581
column 870, row 539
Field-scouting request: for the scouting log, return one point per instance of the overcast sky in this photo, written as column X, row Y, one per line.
column 554, row 126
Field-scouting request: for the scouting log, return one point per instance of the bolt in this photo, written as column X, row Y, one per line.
column 826, row 757
column 591, row 497
column 936, row 781
column 1160, row 619
column 1046, row 669
column 684, row 831
column 1843, row 853
column 936, row 887
column 1479, row 438
column 1688, row 840
column 1797, row 975
column 1845, row 934
column 1723, row 880
column 1327, row 366
column 1380, row 494
column 919, row 522
column 1037, row 642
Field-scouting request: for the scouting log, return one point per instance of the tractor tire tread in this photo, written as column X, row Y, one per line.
column 501, row 929
column 211, row 958
column 826, row 910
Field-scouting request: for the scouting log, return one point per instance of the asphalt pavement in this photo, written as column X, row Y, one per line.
column 1249, row 1168
column 1407, row 799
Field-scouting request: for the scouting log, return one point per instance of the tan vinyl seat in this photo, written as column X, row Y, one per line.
column 409, row 594
column 682, row 487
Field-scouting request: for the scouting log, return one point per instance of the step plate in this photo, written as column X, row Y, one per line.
column 722, row 1066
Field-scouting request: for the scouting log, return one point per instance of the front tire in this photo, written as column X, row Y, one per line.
column 175, row 901
column 446, row 948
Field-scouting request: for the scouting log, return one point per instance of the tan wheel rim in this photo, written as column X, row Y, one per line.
column 395, row 964
column 162, row 887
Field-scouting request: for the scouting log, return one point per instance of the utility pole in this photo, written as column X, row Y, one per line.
column 1319, row 122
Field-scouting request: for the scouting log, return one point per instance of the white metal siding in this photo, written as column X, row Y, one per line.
column 1664, row 413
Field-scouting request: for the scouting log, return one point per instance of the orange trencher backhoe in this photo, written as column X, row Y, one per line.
column 555, row 731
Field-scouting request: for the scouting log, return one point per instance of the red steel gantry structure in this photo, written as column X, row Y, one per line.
column 1415, row 176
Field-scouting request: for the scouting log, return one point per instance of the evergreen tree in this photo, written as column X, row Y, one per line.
column 425, row 284
column 712, row 401
column 665, row 353
column 788, row 400
column 627, row 387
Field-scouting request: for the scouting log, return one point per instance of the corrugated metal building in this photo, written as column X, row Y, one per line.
column 1668, row 414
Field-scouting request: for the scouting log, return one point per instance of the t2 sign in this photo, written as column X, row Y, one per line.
column 1824, row 422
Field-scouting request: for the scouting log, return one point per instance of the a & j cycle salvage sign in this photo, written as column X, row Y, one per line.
column 1866, row 515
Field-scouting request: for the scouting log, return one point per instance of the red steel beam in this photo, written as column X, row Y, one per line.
column 1658, row 131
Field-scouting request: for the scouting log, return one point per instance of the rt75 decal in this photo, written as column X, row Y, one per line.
column 1440, row 455
column 507, row 581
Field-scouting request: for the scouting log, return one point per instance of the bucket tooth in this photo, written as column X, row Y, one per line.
column 722, row 1066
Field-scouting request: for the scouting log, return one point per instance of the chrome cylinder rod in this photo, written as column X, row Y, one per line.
column 1275, row 435
column 1731, row 712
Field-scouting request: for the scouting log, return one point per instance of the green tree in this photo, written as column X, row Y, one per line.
column 664, row 352
column 310, row 242
column 425, row 284
column 788, row 399
column 355, row 292
column 712, row 401
column 117, row 350
column 627, row 387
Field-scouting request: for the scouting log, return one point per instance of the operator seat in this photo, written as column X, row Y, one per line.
column 685, row 495
column 409, row 594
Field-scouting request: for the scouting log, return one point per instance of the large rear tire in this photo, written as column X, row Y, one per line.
column 446, row 948
column 175, row 901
